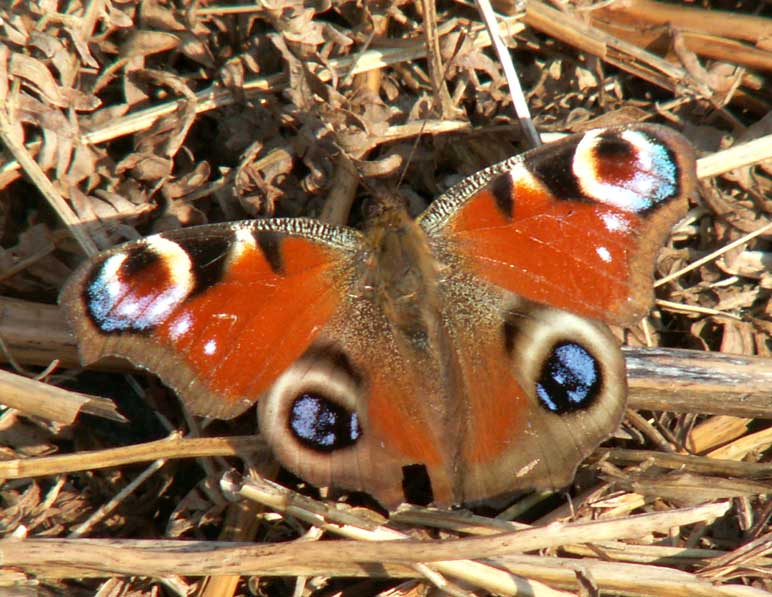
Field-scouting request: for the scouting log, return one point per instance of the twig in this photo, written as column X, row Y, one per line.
column 745, row 154
column 94, row 557
column 166, row 448
column 49, row 402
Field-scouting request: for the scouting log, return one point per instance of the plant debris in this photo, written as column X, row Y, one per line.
column 122, row 118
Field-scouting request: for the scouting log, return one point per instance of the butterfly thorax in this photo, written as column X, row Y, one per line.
column 403, row 274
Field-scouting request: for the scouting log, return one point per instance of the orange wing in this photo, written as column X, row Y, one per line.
column 574, row 224
column 218, row 312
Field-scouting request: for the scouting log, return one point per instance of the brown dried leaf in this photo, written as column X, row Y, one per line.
column 196, row 509
column 117, row 19
column 748, row 264
column 114, row 207
column 177, row 215
column 84, row 207
column 26, row 438
column 37, row 75
column 52, row 48
column 304, row 85
column 189, row 183
column 81, row 45
column 141, row 43
column 30, row 267
column 256, row 182
column 83, row 165
column 146, row 166
column 197, row 49
column 57, row 129
column 159, row 16
column 295, row 21
column 40, row 80
column 738, row 338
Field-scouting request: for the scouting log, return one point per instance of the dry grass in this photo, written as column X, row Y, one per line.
column 125, row 118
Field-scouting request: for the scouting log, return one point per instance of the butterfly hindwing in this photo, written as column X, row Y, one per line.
column 361, row 408
column 532, row 251
column 541, row 388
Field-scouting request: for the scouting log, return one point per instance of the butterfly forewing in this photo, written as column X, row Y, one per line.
column 575, row 224
column 218, row 312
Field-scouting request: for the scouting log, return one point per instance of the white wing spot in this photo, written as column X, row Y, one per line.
column 181, row 326
column 615, row 223
column 604, row 254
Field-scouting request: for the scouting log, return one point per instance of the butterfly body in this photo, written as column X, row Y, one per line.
column 402, row 274
column 465, row 347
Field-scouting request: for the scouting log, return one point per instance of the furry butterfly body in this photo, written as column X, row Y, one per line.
column 467, row 346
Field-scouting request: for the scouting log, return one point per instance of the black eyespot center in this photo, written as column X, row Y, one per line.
column 612, row 147
column 570, row 379
column 322, row 424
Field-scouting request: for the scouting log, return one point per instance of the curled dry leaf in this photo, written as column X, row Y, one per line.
column 147, row 43
column 258, row 183
column 116, row 18
column 196, row 49
column 155, row 15
column 40, row 81
column 295, row 22
column 81, row 46
column 147, row 167
column 52, row 48
column 58, row 131
column 115, row 207
column 756, row 265
column 189, row 183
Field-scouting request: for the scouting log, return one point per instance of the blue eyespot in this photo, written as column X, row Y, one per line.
column 323, row 425
column 570, row 379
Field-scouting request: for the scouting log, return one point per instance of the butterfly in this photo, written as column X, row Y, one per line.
column 464, row 352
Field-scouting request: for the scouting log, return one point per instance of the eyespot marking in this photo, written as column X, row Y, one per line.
column 138, row 289
column 570, row 379
column 632, row 170
column 323, row 425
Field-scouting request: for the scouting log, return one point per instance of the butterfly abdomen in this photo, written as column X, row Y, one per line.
column 403, row 276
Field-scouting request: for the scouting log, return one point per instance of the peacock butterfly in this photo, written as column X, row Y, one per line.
column 469, row 344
